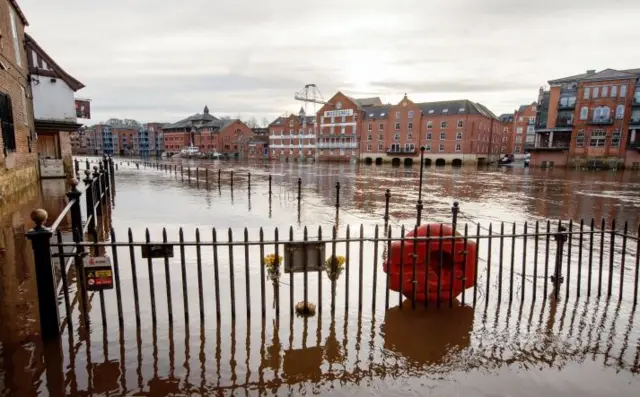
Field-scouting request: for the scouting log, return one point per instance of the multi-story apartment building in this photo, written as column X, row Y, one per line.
column 524, row 126
column 209, row 134
column 293, row 137
column 590, row 119
column 338, row 127
column 17, row 137
column 452, row 132
column 156, row 139
column 508, row 134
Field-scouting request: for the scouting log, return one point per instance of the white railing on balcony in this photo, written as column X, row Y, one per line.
column 337, row 145
column 294, row 136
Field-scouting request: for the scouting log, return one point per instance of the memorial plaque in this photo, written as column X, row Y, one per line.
column 294, row 258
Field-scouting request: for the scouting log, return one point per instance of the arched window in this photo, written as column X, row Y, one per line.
column 584, row 113
column 620, row 112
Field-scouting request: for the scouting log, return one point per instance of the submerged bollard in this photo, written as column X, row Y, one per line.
column 231, row 179
column 387, row 197
column 299, row 189
column 270, row 185
column 249, row 181
column 454, row 210
column 337, row 195
column 556, row 278
column 219, row 173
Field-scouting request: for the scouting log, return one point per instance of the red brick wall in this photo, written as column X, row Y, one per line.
column 234, row 138
column 17, row 169
column 175, row 141
column 282, row 132
column 522, row 121
column 351, row 131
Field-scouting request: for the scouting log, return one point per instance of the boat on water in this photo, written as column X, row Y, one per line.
column 190, row 151
column 509, row 160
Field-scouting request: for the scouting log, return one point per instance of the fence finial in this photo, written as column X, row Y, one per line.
column 39, row 217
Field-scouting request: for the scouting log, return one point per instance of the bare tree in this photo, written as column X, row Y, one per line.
column 265, row 122
column 252, row 122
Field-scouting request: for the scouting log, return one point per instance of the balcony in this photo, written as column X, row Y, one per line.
column 635, row 145
column 563, row 123
column 601, row 121
column 635, row 102
column 337, row 145
column 566, row 106
column 402, row 152
column 634, row 121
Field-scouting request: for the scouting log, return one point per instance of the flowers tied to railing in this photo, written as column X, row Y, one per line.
column 272, row 263
column 333, row 266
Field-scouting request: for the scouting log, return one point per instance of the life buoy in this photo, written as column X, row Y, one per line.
column 444, row 266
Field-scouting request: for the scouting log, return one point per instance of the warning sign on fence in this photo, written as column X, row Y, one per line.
column 98, row 273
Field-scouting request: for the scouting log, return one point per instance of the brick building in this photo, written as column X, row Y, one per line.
column 508, row 133
column 293, row 137
column 17, row 138
column 257, row 148
column 452, row 132
column 524, row 126
column 209, row 134
column 589, row 120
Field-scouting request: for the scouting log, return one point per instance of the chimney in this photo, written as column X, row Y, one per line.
column 591, row 71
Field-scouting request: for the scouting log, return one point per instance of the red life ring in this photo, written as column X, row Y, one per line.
column 437, row 260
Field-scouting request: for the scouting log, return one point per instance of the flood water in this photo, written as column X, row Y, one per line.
column 173, row 342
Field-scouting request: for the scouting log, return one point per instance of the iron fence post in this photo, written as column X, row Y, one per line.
column 76, row 163
column 454, row 210
column 45, row 278
column 89, row 198
column 419, row 204
column 337, row 195
column 112, row 175
column 76, row 214
column 98, row 184
column 387, row 197
column 556, row 278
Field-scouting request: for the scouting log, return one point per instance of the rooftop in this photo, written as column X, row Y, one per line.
column 606, row 74
column 197, row 120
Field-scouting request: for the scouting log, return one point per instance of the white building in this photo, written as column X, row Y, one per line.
column 54, row 110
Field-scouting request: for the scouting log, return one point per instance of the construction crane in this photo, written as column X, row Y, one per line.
column 310, row 94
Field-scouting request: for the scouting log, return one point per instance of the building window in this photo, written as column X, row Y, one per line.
column 344, row 119
column 410, row 114
column 445, row 111
column 396, row 137
column 443, row 124
column 460, row 123
column 601, row 113
column 395, row 147
column 519, row 130
column 381, row 137
column 429, row 125
column 343, row 130
column 596, row 92
column 409, row 147
column 517, row 149
column 397, row 126
column 605, row 91
column 587, row 92
column 409, row 136
column 598, row 137
column 16, row 40
column 410, row 125
column 397, row 115
column 290, row 123
column 380, row 127
column 458, row 136
column 623, row 91
column 614, row 91
column 443, row 135
column 368, row 147
column 370, row 127
column 380, row 147
column 620, row 112
column 428, row 136
column 518, row 139
column 369, row 137
column 6, row 122
column 458, row 147
column 441, row 147
column 505, row 130
column 615, row 138
column 520, row 119
column 427, row 148
column 531, row 129
column 584, row 113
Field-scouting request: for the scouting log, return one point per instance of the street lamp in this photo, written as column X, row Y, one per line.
column 419, row 205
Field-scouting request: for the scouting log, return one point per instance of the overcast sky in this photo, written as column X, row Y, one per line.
column 161, row 60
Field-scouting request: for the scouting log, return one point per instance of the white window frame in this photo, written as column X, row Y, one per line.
column 381, row 137
column 623, row 91
column 427, row 148
column 584, row 113
column 458, row 136
column 381, row 127
column 397, row 114
column 600, row 139
column 619, row 112
column 381, row 147
column 458, row 147
column 614, row 91
column 429, row 124
column 410, row 125
column 460, row 123
column 396, row 137
column 441, row 147
column 370, row 127
column 408, row 147
column 596, row 92
column 397, row 126
column 616, row 137
column 520, row 119
column 428, row 137
column 587, row 92
column 443, row 135
column 410, row 114
column 369, row 137
column 369, row 147
column 580, row 138
column 443, row 124
column 605, row 91
column 519, row 130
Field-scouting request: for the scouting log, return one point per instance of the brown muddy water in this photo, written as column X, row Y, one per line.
column 531, row 344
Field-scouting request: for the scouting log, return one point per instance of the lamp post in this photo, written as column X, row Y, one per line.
column 419, row 205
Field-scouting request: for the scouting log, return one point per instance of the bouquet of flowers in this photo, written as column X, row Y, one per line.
column 334, row 265
column 272, row 263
